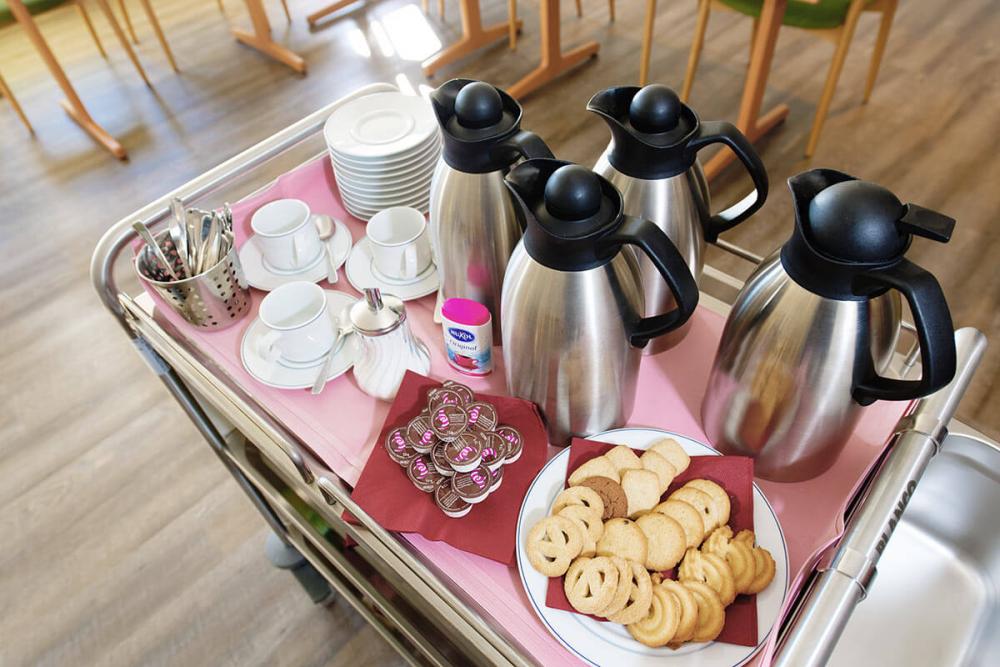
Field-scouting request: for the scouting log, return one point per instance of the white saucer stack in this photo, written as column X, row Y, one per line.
column 384, row 148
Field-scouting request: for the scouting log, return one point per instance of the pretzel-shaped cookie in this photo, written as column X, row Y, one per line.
column 591, row 583
column 737, row 554
column 579, row 495
column 552, row 544
column 709, row 569
column 640, row 596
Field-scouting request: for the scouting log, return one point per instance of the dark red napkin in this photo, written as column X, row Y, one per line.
column 735, row 475
column 489, row 529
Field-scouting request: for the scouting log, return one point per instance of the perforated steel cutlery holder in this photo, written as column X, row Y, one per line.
column 213, row 299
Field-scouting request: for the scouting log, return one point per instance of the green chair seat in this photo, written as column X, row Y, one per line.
column 33, row 7
column 808, row 15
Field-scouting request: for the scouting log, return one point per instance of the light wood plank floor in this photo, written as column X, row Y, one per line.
column 124, row 541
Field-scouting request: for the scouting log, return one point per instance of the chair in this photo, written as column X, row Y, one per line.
column 833, row 20
column 5, row 91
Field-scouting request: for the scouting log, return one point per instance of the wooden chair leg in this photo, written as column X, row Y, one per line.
column 753, row 35
column 441, row 8
column 512, row 24
column 836, row 66
column 158, row 31
column 888, row 12
column 222, row 8
column 85, row 17
column 128, row 21
column 288, row 15
column 611, row 10
column 704, row 8
column 5, row 91
column 122, row 39
column 647, row 42
column 579, row 8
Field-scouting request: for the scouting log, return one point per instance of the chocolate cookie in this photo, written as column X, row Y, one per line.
column 613, row 495
column 496, row 479
column 449, row 421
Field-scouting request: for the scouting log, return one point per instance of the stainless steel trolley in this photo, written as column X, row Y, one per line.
column 408, row 600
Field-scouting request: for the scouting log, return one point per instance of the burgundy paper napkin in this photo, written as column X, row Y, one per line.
column 735, row 475
column 489, row 529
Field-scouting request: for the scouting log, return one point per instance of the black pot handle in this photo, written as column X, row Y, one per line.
column 528, row 145
column 721, row 132
column 668, row 262
column 935, row 334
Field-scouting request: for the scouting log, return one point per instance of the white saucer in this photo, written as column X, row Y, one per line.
column 262, row 277
column 359, row 274
column 415, row 159
column 298, row 376
column 380, row 126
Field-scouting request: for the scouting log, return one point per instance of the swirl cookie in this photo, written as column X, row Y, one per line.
column 711, row 613
column 659, row 625
column 711, row 570
column 552, row 545
column 737, row 555
column 688, row 609
column 764, row 566
column 590, row 584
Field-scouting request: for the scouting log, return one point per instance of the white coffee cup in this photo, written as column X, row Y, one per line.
column 400, row 245
column 299, row 329
column 286, row 235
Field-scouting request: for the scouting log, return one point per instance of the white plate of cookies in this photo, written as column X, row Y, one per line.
column 610, row 534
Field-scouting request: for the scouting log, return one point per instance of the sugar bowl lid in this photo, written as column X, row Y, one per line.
column 377, row 314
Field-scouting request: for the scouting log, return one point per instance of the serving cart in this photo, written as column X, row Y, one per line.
column 406, row 593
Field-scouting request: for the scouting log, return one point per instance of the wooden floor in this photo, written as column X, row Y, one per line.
column 123, row 540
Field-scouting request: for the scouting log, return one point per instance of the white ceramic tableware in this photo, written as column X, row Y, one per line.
column 286, row 235
column 601, row 643
column 400, row 245
column 361, row 274
column 416, row 158
column 263, row 277
column 298, row 376
column 380, row 126
column 299, row 330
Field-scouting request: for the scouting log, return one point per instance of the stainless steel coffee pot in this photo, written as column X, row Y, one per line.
column 572, row 304
column 653, row 161
column 814, row 328
column 474, row 222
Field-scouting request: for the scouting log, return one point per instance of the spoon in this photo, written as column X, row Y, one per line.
column 327, row 230
column 147, row 236
column 343, row 331
column 178, row 233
